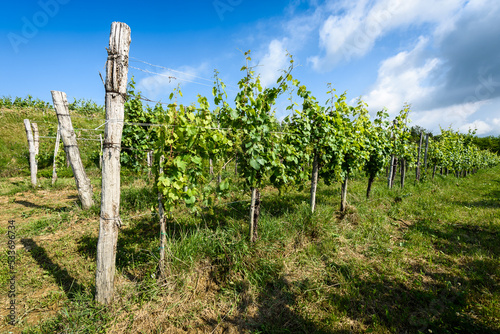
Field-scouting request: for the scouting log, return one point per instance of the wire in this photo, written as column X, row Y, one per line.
column 172, row 70
column 89, row 139
column 168, row 76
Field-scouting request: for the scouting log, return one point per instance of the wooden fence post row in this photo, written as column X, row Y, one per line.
column 71, row 147
column 116, row 91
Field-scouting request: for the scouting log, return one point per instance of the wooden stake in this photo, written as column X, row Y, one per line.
column 150, row 162
column 254, row 214
column 426, row 151
column 314, row 181
column 391, row 172
column 418, row 157
column 116, row 90
column 394, row 170
column 403, row 172
column 32, row 150
column 100, row 153
column 343, row 195
column 163, row 230
column 71, row 146
column 36, row 138
column 56, row 151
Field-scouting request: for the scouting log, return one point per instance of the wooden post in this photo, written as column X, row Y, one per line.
column 314, row 181
column 391, row 171
column 100, row 153
column 403, row 172
column 254, row 214
column 71, row 146
column 418, row 157
column 211, row 166
column 426, row 151
column 394, row 170
column 150, row 163
column 116, row 90
column 163, row 230
column 56, row 151
column 36, row 139
column 32, row 150
column 343, row 195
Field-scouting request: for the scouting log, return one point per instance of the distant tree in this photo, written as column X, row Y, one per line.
column 415, row 132
column 490, row 143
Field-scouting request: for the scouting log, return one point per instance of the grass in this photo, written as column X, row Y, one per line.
column 419, row 259
column 424, row 259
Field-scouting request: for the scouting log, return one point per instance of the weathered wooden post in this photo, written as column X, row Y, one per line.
column 426, row 152
column 403, row 172
column 343, row 194
column 163, row 230
column 32, row 150
column 254, row 214
column 149, row 158
column 100, row 152
column 314, row 181
column 56, row 151
column 391, row 172
column 116, row 91
column 71, row 147
column 418, row 157
column 36, row 139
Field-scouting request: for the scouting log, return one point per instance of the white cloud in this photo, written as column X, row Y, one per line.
column 481, row 127
column 455, row 116
column 402, row 78
column 273, row 62
column 352, row 31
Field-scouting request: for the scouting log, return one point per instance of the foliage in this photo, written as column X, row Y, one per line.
column 254, row 122
column 379, row 145
column 87, row 107
column 186, row 138
column 27, row 102
column 138, row 135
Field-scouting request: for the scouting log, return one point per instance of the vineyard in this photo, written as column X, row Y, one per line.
column 228, row 219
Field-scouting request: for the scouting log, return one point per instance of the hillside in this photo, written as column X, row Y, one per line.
column 423, row 259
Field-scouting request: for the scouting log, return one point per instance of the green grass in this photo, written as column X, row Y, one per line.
column 419, row 259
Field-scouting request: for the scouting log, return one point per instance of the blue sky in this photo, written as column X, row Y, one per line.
column 442, row 57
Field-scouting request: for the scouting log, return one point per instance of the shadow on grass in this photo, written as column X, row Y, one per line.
column 138, row 244
column 45, row 207
column 278, row 206
column 276, row 311
column 461, row 239
column 69, row 284
column 438, row 307
column 491, row 201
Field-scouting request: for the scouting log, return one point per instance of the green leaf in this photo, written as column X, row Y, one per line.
column 191, row 200
column 224, row 185
column 254, row 164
